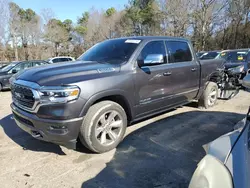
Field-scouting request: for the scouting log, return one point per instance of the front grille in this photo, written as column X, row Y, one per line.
column 22, row 96
column 22, row 120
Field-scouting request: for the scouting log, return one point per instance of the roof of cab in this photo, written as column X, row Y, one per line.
column 153, row 37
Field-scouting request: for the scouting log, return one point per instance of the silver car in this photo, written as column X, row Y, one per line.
column 227, row 162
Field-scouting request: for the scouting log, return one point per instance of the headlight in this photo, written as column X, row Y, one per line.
column 211, row 173
column 58, row 94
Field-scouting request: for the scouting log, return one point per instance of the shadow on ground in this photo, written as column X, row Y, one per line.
column 164, row 153
column 26, row 141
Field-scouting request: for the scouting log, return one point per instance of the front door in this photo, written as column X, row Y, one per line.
column 152, row 81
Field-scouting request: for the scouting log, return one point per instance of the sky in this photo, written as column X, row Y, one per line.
column 69, row 9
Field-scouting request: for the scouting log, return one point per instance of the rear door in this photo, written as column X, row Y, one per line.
column 184, row 69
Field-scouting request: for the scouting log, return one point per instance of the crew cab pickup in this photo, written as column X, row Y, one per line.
column 114, row 83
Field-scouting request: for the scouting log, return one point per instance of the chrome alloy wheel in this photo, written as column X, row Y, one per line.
column 109, row 128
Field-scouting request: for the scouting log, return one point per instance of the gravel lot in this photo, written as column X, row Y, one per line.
column 159, row 152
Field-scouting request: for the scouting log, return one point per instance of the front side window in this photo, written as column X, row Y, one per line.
column 179, row 52
column 111, row 51
column 153, row 48
column 22, row 66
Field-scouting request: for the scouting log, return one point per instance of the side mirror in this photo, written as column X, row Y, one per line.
column 153, row 59
column 14, row 71
column 246, row 81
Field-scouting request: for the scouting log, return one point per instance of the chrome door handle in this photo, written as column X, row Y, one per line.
column 194, row 69
column 167, row 73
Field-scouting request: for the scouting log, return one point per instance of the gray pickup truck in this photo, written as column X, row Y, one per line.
column 114, row 83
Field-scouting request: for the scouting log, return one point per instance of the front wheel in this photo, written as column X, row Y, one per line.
column 103, row 127
column 209, row 96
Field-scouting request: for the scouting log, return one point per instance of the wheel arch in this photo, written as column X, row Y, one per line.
column 116, row 96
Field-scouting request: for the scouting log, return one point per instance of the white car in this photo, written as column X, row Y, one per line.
column 60, row 59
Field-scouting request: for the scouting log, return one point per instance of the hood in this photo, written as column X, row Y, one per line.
column 3, row 73
column 67, row 73
column 222, row 146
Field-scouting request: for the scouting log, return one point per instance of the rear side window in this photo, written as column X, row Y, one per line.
column 179, row 51
column 57, row 60
column 38, row 63
column 154, row 47
column 64, row 59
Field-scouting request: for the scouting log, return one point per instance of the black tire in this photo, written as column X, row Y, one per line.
column 205, row 100
column 92, row 121
column 1, row 87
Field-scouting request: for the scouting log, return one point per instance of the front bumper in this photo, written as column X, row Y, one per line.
column 61, row 132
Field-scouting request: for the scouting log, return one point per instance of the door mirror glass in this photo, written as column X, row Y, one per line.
column 14, row 71
column 152, row 59
column 246, row 81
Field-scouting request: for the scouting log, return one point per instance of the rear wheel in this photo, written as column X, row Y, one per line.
column 1, row 87
column 103, row 127
column 209, row 96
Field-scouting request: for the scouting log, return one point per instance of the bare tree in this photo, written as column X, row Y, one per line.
column 4, row 19
column 14, row 26
column 46, row 15
column 176, row 15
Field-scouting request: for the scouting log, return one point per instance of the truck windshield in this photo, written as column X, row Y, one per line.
column 111, row 51
column 234, row 56
column 8, row 67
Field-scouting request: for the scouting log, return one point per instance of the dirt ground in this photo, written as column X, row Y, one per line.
column 159, row 152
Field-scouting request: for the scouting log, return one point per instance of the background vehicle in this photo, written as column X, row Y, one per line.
column 236, row 58
column 113, row 84
column 229, row 83
column 3, row 64
column 60, row 59
column 209, row 55
column 227, row 162
column 199, row 54
column 12, row 68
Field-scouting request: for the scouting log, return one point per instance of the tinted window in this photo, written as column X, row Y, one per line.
column 22, row 66
column 57, row 60
column 63, row 59
column 179, row 51
column 111, row 51
column 234, row 56
column 38, row 63
column 154, row 47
